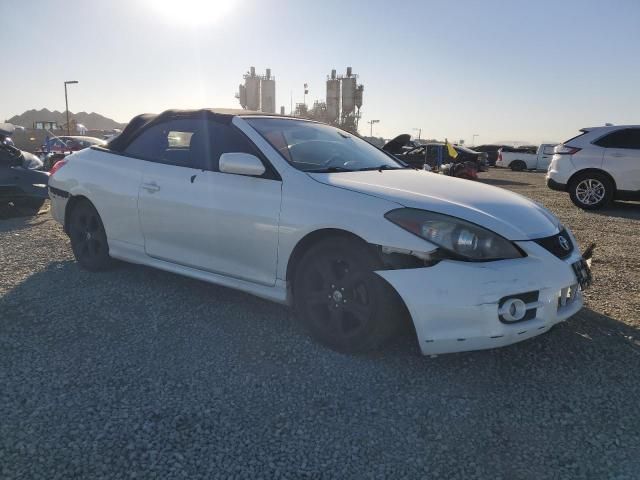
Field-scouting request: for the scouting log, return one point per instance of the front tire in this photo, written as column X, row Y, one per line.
column 591, row 191
column 88, row 238
column 340, row 299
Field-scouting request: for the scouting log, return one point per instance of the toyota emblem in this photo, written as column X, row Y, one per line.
column 564, row 243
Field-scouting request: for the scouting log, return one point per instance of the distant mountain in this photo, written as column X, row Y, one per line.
column 93, row 121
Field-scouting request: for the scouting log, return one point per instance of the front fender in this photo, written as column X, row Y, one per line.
column 337, row 208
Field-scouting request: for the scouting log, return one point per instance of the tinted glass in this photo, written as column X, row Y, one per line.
column 170, row 142
column 194, row 143
column 316, row 147
column 574, row 138
column 627, row 138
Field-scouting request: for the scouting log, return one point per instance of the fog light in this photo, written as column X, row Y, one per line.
column 513, row 310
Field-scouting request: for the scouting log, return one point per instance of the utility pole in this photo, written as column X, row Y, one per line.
column 473, row 139
column 66, row 102
column 306, row 91
column 371, row 123
column 419, row 130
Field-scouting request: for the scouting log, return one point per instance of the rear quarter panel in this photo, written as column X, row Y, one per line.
column 111, row 184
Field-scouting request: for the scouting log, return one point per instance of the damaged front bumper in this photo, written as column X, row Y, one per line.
column 460, row 306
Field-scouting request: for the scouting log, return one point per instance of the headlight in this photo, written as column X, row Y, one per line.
column 463, row 240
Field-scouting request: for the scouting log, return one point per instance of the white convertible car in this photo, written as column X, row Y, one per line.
column 303, row 213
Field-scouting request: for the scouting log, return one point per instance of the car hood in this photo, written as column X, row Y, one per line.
column 506, row 213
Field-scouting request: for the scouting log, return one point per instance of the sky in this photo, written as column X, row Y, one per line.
column 533, row 71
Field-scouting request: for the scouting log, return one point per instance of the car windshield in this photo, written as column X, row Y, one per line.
column 315, row 147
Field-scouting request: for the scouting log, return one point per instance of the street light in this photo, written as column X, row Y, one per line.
column 66, row 102
column 371, row 122
column 473, row 139
column 419, row 130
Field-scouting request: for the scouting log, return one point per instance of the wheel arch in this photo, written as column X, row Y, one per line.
column 593, row 170
column 73, row 201
column 517, row 161
column 312, row 238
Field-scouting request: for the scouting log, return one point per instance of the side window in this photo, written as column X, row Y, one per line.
column 227, row 139
column 627, row 138
column 634, row 138
column 184, row 143
column 548, row 150
column 193, row 143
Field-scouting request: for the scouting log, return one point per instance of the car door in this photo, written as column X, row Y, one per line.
column 622, row 157
column 195, row 216
column 544, row 157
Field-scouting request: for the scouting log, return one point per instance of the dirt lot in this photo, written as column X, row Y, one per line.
column 137, row 373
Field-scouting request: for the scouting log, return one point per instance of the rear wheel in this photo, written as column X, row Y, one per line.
column 340, row 299
column 518, row 166
column 88, row 238
column 591, row 191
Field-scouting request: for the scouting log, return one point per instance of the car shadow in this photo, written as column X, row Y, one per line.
column 619, row 209
column 9, row 212
column 138, row 293
column 17, row 223
column 139, row 348
column 501, row 182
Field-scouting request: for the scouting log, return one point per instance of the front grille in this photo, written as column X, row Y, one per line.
column 557, row 244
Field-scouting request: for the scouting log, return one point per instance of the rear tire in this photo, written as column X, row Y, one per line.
column 88, row 238
column 518, row 166
column 340, row 300
column 591, row 190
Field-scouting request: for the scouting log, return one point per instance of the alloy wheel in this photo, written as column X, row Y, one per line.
column 590, row 191
column 337, row 297
column 86, row 232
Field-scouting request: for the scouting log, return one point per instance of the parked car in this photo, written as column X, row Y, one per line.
column 427, row 154
column 491, row 151
column 399, row 145
column 526, row 158
column 72, row 143
column 22, row 181
column 599, row 165
column 306, row 214
column 57, row 148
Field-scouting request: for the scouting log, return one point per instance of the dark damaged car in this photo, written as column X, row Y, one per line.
column 23, row 183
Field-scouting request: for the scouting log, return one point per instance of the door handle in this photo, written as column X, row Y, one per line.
column 151, row 187
column 618, row 155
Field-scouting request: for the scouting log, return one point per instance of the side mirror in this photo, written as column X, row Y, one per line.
column 241, row 164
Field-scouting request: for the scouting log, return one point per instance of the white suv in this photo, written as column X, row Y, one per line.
column 599, row 165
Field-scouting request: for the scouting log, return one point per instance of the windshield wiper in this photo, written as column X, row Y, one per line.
column 329, row 170
column 379, row 168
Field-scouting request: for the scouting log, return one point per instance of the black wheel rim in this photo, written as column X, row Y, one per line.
column 337, row 297
column 86, row 232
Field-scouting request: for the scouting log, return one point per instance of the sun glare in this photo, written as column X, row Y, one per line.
column 192, row 12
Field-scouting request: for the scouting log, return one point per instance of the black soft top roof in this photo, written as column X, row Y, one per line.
column 141, row 122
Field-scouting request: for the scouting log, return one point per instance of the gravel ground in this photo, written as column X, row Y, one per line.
column 137, row 373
